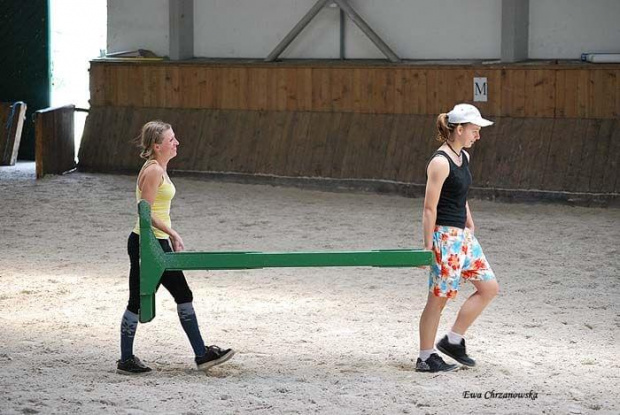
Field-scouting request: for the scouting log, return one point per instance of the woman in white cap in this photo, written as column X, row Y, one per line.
column 449, row 233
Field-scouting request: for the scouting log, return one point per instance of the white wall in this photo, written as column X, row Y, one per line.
column 414, row 29
column 432, row 29
column 252, row 28
column 138, row 24
column 563, row 29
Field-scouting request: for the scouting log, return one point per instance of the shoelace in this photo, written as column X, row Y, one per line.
column 215, row 349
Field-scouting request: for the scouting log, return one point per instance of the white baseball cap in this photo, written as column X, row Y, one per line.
column 467, row 113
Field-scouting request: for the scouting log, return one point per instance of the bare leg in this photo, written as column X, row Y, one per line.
column 473, row 306
column 429, row 321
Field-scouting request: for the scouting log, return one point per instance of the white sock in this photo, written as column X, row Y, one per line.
column 454, row 338
column 425, row 354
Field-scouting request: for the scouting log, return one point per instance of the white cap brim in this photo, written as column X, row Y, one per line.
column 481, row 122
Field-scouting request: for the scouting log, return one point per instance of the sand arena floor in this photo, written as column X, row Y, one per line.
column 335, row 341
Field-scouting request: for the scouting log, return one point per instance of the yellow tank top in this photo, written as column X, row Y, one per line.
column 161, row 205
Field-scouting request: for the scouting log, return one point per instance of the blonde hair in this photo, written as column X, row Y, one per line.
column 444, row 127
column 151, row 134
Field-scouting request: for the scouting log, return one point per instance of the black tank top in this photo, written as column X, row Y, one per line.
column 451, row 209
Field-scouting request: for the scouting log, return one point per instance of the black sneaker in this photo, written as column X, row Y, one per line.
column 131, row 366
column 214, row 356
column 434, row 363
column 455, row 351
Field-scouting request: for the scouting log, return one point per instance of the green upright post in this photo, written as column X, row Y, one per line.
column 154, row 261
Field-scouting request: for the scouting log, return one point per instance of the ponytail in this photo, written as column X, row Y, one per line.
column 444, row 128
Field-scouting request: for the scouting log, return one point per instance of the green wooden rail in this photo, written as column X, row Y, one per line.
column 154, row 261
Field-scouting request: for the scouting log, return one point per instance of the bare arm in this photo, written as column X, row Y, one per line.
column 149, row 183
column 469, row 222
column 438, row 171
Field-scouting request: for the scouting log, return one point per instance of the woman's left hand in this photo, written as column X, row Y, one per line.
column 177, row 243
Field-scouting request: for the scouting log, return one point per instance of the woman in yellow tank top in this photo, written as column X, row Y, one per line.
column 159, row 146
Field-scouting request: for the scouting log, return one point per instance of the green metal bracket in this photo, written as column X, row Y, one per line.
column 154, row 261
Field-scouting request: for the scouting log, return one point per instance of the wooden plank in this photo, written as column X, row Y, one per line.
column 382, row 91
column 228, row 89
column 313, row 164
column 342, row 90
column 216, row 154
column 494, row 105
column 513, row 93
column 371, row 163
column 509, row 141
column 555, row 166
column 5, row 115
column 97, row 75
column 171, row 87
column 123, row 96
column 292, row 103
column 89, row 139
column 338, row 143
column 539, row 93
column 401, row 86
column 298, row 143
column 155, row 86
column 531, row 151
column 274, row 150
column 304, row 89
column 111, row 75
column 583, row 94
column 279, row 82
column 612, row 174
column 602, row 156
column 12, row 119
column 568, row 107
column 321, row 89
column 203, row 160
column 128, row 156
column 486, row 152
column 462, row 86
column 256, row 141
column 393, row 152
column 54, row 144
column 432, row 95
column 421, row 90
column 603, row 93
column 362, row 90
column 257, row 87
column 420, row 144
column 206, row 86
column 584, row 166
column 325, row 166
column 572, row 167
column 354, row 145
column 411, row 84
column 445, row 91
column 190, row 86
column 135, row 86
column 560, row 94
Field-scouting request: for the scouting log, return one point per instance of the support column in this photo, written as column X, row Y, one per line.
column 181, row 36
column 515, row 30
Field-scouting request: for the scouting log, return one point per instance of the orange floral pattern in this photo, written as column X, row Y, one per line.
column 457, row 256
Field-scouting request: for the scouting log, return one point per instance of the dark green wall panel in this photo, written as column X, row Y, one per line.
column 24, row 61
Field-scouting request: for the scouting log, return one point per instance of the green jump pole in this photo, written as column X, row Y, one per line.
column 154, row 261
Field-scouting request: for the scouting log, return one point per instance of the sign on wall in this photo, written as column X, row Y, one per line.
column 480, row 89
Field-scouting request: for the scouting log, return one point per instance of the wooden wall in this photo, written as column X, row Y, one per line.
column 54, row 140
column 556, row 126
column 577, row 155
column 556, row 91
